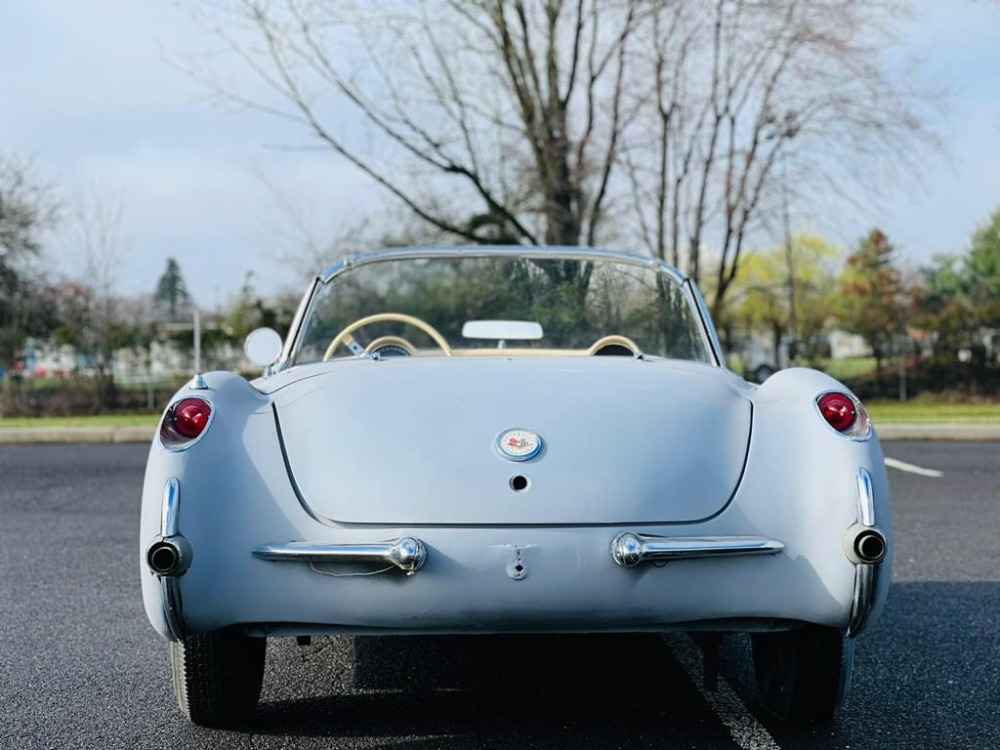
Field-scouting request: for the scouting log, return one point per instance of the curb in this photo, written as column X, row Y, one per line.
column 939, row 432
column 56, row 435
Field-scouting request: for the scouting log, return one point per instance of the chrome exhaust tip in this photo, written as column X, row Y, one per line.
column 865, row 545
column 169, row 556
column 870, row 546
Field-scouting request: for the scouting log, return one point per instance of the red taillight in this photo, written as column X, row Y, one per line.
column 838, row 410
column 845, row 414
column 191, row 417
column 184, row 422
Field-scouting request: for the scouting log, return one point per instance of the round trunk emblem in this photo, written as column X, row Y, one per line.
column 518, row 444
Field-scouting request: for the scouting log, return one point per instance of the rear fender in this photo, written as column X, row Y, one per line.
column 801, row 482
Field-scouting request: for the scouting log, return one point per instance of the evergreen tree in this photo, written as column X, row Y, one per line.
column 171, row 292
column 982, row 272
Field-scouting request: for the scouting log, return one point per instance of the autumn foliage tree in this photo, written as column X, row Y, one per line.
column 871, row 298
column 788, row 291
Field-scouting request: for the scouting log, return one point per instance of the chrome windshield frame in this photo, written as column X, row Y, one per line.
column 690, row 290
column 305, row 306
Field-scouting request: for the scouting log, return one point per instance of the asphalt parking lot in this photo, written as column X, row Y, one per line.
column 81, row 668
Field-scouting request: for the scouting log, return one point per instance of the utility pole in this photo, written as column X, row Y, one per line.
column 197, row 339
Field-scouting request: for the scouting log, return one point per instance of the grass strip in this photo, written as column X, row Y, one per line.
column 102, row 420
column 917, row 412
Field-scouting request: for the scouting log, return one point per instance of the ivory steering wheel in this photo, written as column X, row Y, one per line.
column 344, row 338
column 614, row 339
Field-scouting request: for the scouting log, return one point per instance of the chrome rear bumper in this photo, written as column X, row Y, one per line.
column 630, row 549
column 627, row 550
column 479, row 580
column 407, row 554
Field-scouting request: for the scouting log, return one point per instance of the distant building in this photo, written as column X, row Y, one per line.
column 45, row 359
column 844, row 345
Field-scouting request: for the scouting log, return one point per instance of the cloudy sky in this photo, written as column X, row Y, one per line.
column 89, row 93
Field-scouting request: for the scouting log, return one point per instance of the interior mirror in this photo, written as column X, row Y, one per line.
column 263, row 346
column 510, row 330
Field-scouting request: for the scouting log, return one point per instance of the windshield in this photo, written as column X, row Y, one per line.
column 526, row 306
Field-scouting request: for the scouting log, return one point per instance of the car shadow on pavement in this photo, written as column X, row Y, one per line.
column 926, row 676
column 499, row 691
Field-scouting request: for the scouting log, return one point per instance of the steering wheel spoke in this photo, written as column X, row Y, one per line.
column 359, row 351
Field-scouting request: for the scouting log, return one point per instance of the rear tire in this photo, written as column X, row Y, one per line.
column 218, row 676
column 803, row 675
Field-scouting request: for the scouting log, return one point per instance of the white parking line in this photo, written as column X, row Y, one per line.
column 746, row 731
column 894, row 463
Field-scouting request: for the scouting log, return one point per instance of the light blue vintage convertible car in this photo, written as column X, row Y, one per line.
column 510, row 440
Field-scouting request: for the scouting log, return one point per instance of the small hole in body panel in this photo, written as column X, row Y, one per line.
column 518, row 483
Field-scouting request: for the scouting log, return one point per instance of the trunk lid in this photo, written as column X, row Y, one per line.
column 412, row 441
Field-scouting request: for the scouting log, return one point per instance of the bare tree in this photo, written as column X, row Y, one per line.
column 497, row 120
column 582, row 121
column 743, row 86
column 96, row 240
column 307, row 240
column 304, row 238
column 27, row 210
